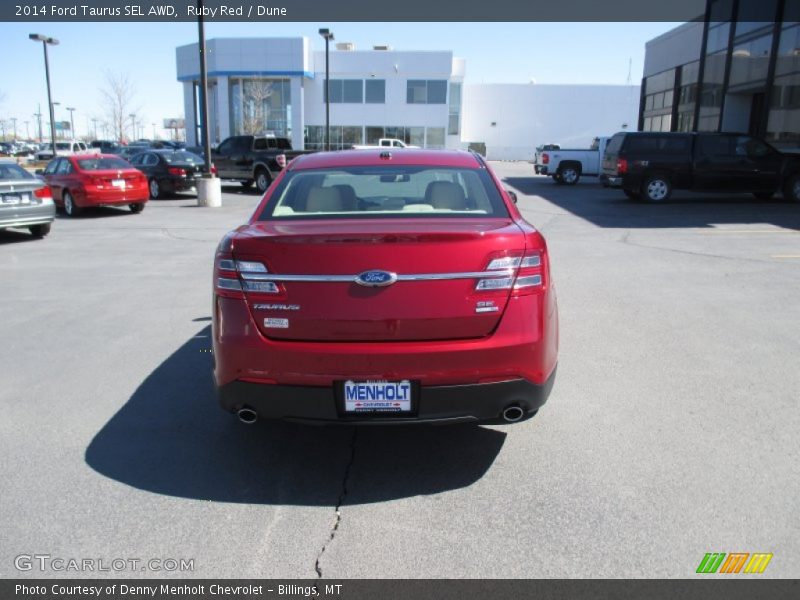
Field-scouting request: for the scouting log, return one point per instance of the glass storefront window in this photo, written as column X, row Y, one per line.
column 718, row 34
column 260, row 106
column 788, row 60
column 750, row 61
column 435, row 137
column 754, row 15
column 783, row 123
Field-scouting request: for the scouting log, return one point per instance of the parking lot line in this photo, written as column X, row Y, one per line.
column 746, row 231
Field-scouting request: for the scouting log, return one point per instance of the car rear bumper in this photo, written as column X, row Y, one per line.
column 609, row 181
column 448, row 404
column 25, row 216
column 111, row 197
column 471, row 379
column 540, row 169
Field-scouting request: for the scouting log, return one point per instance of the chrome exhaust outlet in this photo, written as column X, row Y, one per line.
column 247, row 415
column 512, row 414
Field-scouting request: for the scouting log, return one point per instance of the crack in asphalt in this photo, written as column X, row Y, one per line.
column 339, row 502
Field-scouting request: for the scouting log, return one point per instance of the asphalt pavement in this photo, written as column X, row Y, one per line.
column 672, row 429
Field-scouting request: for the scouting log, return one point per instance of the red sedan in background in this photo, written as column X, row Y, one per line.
column 385, row 287
column 87, row 180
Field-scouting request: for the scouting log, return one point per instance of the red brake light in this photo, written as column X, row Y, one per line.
column 281, row 160
column 213, row 169
column 43, row 192
column 622, row 166
column 545, row 159
column 177, row 171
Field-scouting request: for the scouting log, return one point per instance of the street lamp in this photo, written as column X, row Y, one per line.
column 133, row 124
column 14, row 125
column 38, row 37
column 328, row 35
column 71, row 122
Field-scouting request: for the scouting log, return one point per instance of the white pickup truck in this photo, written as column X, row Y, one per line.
column 66, row 148
column 566, row 166
column 386, row 143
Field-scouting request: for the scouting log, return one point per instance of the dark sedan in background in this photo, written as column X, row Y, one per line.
column 25, row 201
column 168, row 171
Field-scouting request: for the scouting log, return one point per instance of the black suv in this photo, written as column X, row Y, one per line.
column 649, row 165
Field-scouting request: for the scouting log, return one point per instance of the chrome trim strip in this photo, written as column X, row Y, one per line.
column 352, row 278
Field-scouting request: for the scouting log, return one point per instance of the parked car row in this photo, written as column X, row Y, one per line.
column 651, row 165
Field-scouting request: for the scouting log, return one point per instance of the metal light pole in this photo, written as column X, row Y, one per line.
column 328, row 35
column 71, row 122
column 201, row 35
column 94, row 122
column 53, row 115
column 14, row 125
column 38, row 115
column 27, row 130
column 38, row 37
column 133, row 125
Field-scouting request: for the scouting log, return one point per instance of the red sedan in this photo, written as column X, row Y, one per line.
column 385, row 287
column 82, row 181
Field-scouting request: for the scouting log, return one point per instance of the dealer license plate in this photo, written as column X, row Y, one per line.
column 377, row 396
column 120, row 183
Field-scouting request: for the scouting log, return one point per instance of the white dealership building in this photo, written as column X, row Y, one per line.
column 278, row 85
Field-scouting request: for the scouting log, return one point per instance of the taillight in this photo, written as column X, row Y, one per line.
column 521, row 273
column 232, row 277
column 213, row 169
column 281, row 160
column 44, row 193
column 545, row 159
column 622, row 166
column 177, row 171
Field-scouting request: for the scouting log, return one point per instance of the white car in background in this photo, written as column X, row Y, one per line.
column 67, row 148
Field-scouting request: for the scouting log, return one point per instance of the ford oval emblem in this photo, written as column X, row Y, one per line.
column 376, row 278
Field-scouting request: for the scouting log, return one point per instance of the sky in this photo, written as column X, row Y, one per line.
column 548, row 53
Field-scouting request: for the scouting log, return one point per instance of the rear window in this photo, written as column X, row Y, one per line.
column 10, row 171
column 660, row 144
column 379, row 192
column 615, row 143
column 182, row 157
column 101, row 164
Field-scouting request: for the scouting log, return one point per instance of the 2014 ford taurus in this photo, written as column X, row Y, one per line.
column 380, row 286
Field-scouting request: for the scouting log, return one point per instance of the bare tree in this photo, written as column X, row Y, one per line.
column 118, row 104
column 256, row 93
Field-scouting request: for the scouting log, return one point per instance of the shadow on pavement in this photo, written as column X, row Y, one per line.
column 172, row 438
column 607, row 207
column 14, row 236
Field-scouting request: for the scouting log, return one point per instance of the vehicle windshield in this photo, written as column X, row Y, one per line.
column 11, row 171
column 101, row 164
column 62, row 146
column 182, row 157
column 390, row 191
column 615, row 143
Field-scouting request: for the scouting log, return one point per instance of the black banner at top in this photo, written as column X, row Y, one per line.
column 351, row 10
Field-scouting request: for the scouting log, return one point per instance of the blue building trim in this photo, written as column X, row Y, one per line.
column 306, row 74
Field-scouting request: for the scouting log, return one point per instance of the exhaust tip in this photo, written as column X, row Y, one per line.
column 512, row 414
column 247, row 415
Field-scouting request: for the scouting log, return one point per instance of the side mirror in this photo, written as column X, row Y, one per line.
column 39, row 172
column 512, row 195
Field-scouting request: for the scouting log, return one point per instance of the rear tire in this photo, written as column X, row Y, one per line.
column 155, row 189
column 570, row 174
column 136, row 207
column 656, row 188
column 262, row 180
column 39, row 231
column 72, row 209
column 632, row 195
column 791, row 189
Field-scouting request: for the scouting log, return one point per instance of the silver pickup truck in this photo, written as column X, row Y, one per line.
column 566, row 166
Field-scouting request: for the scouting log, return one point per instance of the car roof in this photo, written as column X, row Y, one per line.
column 399, row 156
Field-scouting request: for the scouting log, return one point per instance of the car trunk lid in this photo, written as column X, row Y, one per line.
column 314, row 265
